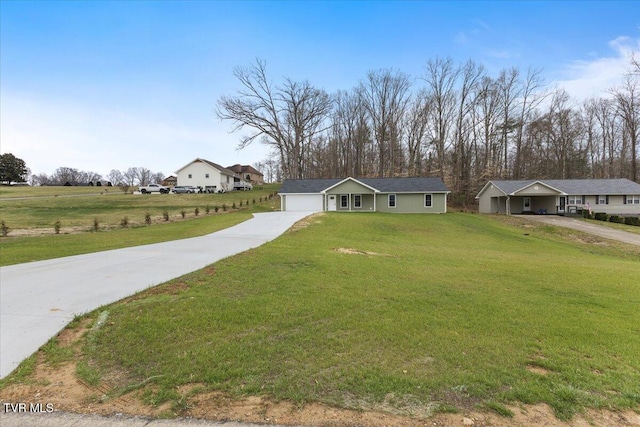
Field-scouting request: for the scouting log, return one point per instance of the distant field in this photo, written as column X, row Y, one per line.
column 408, row 314
column 30, row 215
column 77, row 207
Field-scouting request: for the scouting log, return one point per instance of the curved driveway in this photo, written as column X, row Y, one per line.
column 38, row 299
column 591, row 227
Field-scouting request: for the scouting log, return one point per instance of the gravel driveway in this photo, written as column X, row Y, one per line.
column 590, row 227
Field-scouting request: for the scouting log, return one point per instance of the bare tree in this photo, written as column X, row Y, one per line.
column 286, row 118
column 115, row 177
column 530, row 98
column 385, row 95
column 441, row 76
column 130, row 176
column 416, row 125
column 470, row 76
column 627, row 99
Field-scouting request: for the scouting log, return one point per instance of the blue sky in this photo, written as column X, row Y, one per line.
column 109, row 85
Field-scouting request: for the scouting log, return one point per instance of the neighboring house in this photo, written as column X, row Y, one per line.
column 170, row 181
column 205, row 174
column 248, row 173
column 560, row 196
column 401, row 195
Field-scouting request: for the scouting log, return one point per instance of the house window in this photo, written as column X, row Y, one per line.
column 633, row 200
column 392, row 200
column 357, row 201
column 190, row 176
column 602, row 200
column 575, row 200
column 344, row 201
column 206, row 175
column 428, row 200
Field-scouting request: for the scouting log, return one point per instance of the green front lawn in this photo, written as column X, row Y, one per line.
column 404, row 313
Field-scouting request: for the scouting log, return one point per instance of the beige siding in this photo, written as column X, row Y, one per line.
column 487, row 203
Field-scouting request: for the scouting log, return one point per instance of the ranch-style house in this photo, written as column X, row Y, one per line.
column 560, row 196
column 400, row 195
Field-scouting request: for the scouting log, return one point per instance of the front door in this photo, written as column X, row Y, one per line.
column 333, row 206
column 562, row 204
column 526, row 205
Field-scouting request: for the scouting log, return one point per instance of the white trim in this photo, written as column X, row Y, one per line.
column 539, row 183
column 485, row 186
column 350, row 179
column 395, row 201
column 344, row 197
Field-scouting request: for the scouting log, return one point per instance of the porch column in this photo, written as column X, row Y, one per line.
column 507, row 206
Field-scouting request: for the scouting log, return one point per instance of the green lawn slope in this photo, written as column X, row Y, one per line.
column 404, row 313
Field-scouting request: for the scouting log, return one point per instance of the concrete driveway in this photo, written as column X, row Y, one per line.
column 38, row 299
column 591, row 227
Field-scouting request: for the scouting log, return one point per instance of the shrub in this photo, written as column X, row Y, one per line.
column 165, row 215
column 254, row 201
column 4, row 230
column 616, row 218
column 196, row 211
column 585, row 214
column 632, row 220
column 600, row 216
column 147, row 218
column 240, row 203
column 215, row 209
column 207, row 209
column 233, row 206
column 224, row 207
column 260, row 199
column 57, row 226
column 183, row 213
column 125, row 222
column 96, row 224
column 247, row 203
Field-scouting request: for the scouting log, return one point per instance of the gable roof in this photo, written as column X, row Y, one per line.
column 238, row 168
column 576, row 187
column 382, row 185
column 222, row 169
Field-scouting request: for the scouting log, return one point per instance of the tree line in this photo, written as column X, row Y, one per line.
column 66, row 175
column 454, row 121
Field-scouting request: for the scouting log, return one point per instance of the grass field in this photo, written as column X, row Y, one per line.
column 30, row 214
column 404, row 313
column 40, row 207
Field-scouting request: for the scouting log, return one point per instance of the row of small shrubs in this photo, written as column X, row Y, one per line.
column 618, row 219
column 124, row 222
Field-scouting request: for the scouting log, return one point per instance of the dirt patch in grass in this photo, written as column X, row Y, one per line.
column 307, row 221
column 351, row 251
column 61, row 387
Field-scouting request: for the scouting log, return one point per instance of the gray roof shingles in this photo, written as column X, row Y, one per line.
column 577, row 187
column 384, row 185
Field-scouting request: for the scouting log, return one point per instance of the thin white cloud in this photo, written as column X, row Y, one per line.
column 593, row 78
column 461, row 38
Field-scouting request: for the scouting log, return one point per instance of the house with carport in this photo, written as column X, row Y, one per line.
column 399, row 195
column 560, row 196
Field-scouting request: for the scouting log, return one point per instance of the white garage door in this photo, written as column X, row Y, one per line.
column 303, row 203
